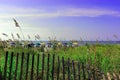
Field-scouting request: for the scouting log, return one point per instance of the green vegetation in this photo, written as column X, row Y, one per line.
column 104, row 57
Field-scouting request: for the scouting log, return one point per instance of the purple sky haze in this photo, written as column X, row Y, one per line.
column 65, row 19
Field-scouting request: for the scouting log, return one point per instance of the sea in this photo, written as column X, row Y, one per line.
column 86, row 42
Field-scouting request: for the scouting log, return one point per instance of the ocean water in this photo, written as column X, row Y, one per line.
column 88, row 42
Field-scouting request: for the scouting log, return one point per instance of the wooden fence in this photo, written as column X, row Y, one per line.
column 27, row 66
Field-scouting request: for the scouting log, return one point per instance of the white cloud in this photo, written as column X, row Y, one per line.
column 7, row 26
column 9, row 12
column 88, row 12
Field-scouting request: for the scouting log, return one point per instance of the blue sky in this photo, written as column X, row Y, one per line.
column 65, row 19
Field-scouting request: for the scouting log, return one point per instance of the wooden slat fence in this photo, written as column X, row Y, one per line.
column 111, row 76
column 27, row 66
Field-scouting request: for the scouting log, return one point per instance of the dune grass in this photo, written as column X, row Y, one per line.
column 104, row 57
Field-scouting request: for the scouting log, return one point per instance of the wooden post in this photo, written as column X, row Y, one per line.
column 73, row 65
column 63, row 68
column 21, row 65
column 68, row 68
column 16, row 66
column 88, row 71
column 48, row 60
column 83, row 68
column 43, row 66
column 93, row 72
column 27, row 66
column 38, row 65
column 103, row 77
column 58, row 68
column 11, row 61
column 53, row 61
column 32, row 71
column 5, row 67
column 78, row 70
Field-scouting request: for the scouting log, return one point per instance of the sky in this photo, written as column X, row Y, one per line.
column 63, row 19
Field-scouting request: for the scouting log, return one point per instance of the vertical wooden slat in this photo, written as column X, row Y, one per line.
column 83, row 68
column 96, row 74
column 58, row 68
column 78, row 70
column 48, row 60
column 53, row 60
column 68, row 68
column 38, row 58
column 21, row 65
column 103, row 77
column 1, row 76
column 88, row 71
column 89, row 76
column 32, row 72
column 11, row 61
column 93, row 73
column 99, row 74
column 118, row 76
column 16, row 68
column 43, row 66
column 114, row 76
column 108, row 76
column 63, row 68
column 27, row 66
column 5, row 67
column 73, row 65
